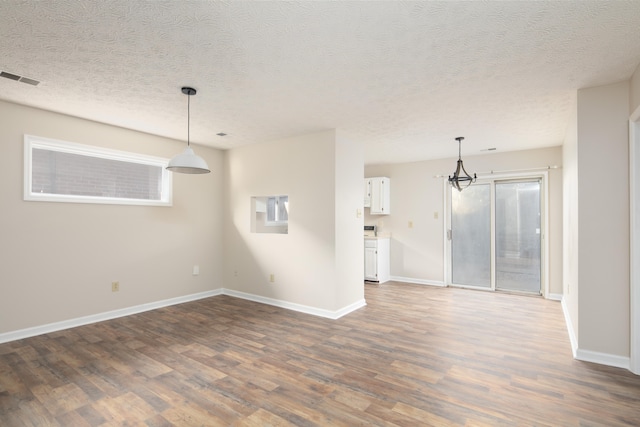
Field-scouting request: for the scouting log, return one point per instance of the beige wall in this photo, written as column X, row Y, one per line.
column 634, row 98
column 635, row 223
column 59, row 259
column 323, row 198
column 349, row 255
column 417, row 254
column 603, row 227
column 570, row 231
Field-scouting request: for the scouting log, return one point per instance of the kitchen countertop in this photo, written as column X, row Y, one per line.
column 378, row 237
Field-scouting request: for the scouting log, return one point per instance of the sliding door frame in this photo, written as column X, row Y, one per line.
column 541, row 175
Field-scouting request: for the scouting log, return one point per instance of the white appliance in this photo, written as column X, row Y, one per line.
column 376, row 256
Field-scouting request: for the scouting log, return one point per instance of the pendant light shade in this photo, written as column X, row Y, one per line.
column 460, row 175
column 188, row 161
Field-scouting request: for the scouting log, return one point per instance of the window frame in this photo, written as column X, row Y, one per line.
column 277, row 221
column 32, row 142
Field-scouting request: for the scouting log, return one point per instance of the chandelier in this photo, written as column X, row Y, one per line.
column 460, row 176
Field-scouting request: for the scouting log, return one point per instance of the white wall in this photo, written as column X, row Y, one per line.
column 634, row 150
column 417, row 254
column 349, row 255
column 603, row 193
column 59, row 259
column 570, row 298
column 313, row 170
column 634, row 98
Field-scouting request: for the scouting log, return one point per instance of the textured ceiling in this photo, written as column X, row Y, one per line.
column 406, row 78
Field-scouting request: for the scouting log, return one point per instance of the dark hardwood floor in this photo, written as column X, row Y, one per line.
column 414, row 356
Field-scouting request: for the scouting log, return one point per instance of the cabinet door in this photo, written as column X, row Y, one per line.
column 367, row 193
column 380, row 196
column 370, row 263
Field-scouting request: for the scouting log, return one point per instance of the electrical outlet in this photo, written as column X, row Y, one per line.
column 115, row 286
column 410, row 224
column 196, row 270
column 272, row 278
column 235, row 273
column 435, row 215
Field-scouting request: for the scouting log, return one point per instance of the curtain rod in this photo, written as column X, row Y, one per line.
column 493, row 172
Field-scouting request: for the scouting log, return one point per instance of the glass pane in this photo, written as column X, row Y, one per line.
column 283, row 208
column 55, row 172
column 518, row 236
column 271, row 209
column 471, row 236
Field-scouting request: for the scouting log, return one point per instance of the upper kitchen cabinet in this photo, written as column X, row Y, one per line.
column 367, row 192
column 377, row 195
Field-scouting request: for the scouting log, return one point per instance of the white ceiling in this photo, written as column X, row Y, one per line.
column 405, row 78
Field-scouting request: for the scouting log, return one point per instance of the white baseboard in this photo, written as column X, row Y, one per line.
column 348, row 309
column 418, row 281
column 602, row 358
column 588, row 355
column 297, row 307
column 99, row 317
column 567, row 321
column 554, row 297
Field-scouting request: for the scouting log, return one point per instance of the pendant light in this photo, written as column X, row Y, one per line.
column 188, row 161
column 458, row 176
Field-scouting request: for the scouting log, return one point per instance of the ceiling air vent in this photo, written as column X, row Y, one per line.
column 18, row 78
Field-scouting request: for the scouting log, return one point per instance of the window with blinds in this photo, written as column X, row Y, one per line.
column 62, row 171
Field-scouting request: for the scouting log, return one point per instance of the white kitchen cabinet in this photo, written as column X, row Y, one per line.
column 380, row 196
column 376, row 260
column 367, row 192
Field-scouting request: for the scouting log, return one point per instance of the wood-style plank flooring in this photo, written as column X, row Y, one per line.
column 414, row 356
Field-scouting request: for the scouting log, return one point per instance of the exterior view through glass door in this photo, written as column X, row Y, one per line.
column 471, row 236
column 518, row 236
column 496, row 236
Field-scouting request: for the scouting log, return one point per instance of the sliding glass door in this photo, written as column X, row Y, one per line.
column 495, row 235
column 518, row 236
column 471, row 236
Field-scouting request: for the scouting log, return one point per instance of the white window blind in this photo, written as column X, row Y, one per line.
column 68, row 172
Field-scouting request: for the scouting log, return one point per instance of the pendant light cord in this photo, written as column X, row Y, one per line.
column 188, row 119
